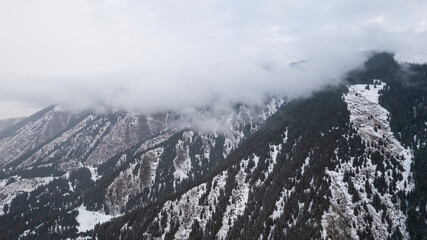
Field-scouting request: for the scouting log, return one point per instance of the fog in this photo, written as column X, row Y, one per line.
column 147, row 56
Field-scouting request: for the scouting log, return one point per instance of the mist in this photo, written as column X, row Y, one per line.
column 150, row 56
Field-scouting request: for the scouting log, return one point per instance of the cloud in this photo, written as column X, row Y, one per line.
column 147, row 56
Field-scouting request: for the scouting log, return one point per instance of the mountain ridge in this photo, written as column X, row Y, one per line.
column 297, row 169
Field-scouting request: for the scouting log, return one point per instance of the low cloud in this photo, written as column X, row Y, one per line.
column 148, row 56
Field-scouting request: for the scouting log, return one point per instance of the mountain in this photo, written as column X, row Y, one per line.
column 7, row 123
column 348, row 162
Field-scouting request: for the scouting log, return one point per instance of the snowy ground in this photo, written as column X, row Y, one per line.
column 370, row 120
column 363, row 104
column 87, row 219
column 182, row 161
column 94, row 173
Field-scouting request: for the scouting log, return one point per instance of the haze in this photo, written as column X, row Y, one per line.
column 148, row 56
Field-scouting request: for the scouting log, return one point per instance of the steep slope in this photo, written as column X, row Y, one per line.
column 372, row 180
column 51, row 143
column 31, row 133
column 329, row 167
column 59, row 137
column 274, row 167
column 348, row 162
column 130, row 160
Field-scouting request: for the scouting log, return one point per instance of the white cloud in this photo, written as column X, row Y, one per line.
column 13, row 109
column 154, row 55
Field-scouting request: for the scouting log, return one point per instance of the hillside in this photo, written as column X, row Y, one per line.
column 348, row 162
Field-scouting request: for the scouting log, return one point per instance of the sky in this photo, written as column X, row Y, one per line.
column 147, row 56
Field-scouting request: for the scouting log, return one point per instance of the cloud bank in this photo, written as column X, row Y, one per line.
column 147, row 56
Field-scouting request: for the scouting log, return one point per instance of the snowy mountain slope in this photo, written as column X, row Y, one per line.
column 264, row 164
column 10, row 188
column 32, row 135
column 344, row 163
column 127, row 160
column 385, row 159
column 128, row 131
column 332, row 166
column 181, row 159
column 56, row 135
column 95, row 138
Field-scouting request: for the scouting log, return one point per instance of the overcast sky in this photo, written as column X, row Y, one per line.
column 146, row 56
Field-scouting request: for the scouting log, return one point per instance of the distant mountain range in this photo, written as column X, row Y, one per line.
column 348, row 162
column 6, row 123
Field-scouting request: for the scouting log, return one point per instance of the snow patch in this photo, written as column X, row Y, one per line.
column 280, row 204
column 370, row 120
column 182, row 161
column 306, row 163
column 88, row 219
column 237, row 203
column 94, row 173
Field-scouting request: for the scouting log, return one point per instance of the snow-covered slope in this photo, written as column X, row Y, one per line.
column 358, row 198
column 151, row 173
column 335, row 165
column 88, row 219
column 329, row 167
column 10, row 188
column 127, row 160
column 32, row 135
